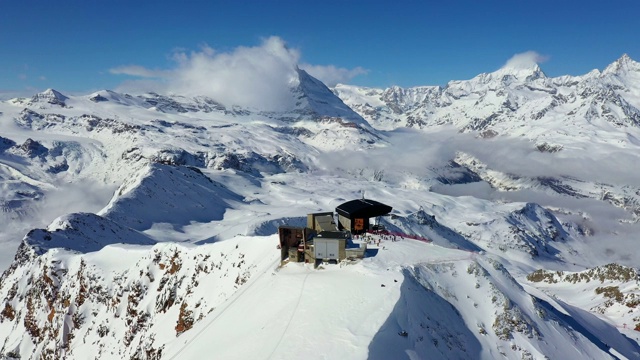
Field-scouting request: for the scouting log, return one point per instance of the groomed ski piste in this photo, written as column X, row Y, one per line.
column 347, row 310
column 358, row 310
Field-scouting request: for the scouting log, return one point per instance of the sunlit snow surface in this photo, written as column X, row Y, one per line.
column 152, row 207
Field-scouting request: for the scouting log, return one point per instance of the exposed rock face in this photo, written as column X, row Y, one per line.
column 56, row 302
column 32, row 148
column 536, row 229
column 497, row 313
column 50, row 96
column 6, row 143
column 609, row 289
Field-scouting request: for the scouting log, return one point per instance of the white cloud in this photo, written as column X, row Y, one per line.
column 332, row 75
column 248, row 76
column 80, row 196
column 525, row 60
column 414, row 151
column 254, row 77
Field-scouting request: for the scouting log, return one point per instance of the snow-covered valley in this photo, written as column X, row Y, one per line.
column 145, row 226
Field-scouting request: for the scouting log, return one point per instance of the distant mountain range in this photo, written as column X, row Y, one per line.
column 598, row 112
column 510, row 101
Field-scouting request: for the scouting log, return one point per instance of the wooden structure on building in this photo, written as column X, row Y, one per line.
column 294, row 241
column 354, row 215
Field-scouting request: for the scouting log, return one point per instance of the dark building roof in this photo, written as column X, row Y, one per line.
column 363, row 208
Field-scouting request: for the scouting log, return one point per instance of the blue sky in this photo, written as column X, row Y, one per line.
column 72, row 45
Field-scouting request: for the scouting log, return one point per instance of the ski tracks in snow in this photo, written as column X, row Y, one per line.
column 293, row 313
column 227, row 305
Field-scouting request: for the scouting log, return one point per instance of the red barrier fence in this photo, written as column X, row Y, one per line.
column 399, row 235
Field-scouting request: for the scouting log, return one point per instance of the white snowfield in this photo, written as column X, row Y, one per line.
column 151, row 222
column 446, row 301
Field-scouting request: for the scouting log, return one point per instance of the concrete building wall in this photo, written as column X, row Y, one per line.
column 342, row 253
column 325, row 223
column 345, row 222
column 311, row 219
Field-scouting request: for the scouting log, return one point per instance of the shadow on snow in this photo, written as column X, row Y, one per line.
column 434, row 328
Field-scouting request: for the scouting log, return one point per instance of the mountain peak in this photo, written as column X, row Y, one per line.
column 623, row 65
column 518, row 72
column 50, row 96
column 523, row 66
column 54, row 93
column 521, row 71
column 317, row 97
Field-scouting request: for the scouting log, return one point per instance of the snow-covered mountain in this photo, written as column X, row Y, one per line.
column 504, row 102
column 150, row 222
column 596, row 113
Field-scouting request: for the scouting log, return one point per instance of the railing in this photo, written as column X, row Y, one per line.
column 399, row 234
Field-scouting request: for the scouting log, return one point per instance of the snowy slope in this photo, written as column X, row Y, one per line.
column 610, row 290
column 150, row 221
column 453, row 304
column 91, row 143
column 82, row 232
column 178, row 195
column 121, row 301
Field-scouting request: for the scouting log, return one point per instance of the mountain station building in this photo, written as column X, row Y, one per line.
column 328, row 236
column 354, row 215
